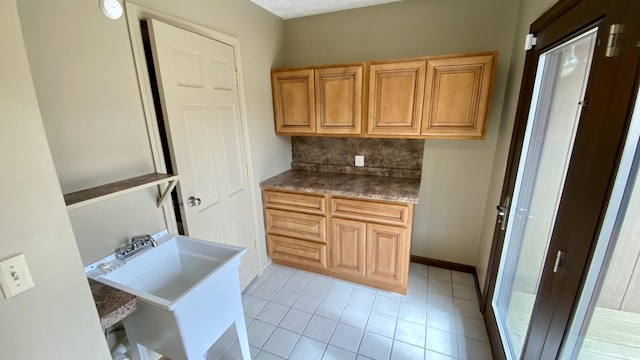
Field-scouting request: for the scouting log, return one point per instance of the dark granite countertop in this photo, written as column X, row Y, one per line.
column 351, row 185
column 113, row 305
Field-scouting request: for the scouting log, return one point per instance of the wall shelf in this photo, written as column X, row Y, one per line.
column 96, row 194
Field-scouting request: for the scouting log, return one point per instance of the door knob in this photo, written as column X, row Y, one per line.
column 503, row 212
column 193, row 201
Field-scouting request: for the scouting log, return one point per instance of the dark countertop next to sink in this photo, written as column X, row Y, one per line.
column 351, row 185
column 113, row 305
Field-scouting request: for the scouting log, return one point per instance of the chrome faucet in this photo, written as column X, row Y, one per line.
column 137, row 244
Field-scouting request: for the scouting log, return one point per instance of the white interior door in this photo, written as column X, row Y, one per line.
column 198, row 88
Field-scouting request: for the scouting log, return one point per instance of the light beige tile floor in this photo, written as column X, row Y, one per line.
column 294, row 314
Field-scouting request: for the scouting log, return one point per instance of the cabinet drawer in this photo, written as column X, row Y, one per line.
column 295, row 225
column 306, row 254
column 294, row 201
column 386, row 213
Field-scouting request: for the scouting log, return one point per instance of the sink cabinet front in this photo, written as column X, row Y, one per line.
column 367, row 241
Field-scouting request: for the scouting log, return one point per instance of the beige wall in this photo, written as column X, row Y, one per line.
column 57, row 319
column 85, row 81
column 455, row 178
column 529, row 11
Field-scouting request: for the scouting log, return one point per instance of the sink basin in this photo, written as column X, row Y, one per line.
column 164, row 274
column 188, row 294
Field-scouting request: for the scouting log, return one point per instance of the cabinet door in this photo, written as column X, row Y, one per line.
column 293, row 102
column 348, row 250
column 396, row 92
column 387, row 254
column 457, row 96
column 338, row 97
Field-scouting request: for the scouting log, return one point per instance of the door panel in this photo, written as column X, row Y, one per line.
column 396, row 92
column 602, row 123
column 606, row 323
column 348, row 249
column 232, row 152
column 199, row 94
column 293, row 101
column 338, row 95
column 386, row 249
column 553, row 121
column 456, row 96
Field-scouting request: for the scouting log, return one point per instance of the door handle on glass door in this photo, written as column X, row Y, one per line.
column 503, row 212
column 193, row 201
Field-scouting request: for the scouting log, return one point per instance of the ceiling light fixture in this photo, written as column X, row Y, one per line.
column 111, row 8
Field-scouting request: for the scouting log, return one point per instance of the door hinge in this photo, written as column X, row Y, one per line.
column 246, row 171
column 612, row 43
column 237, row 78
column 530, row 41
column 255, row 245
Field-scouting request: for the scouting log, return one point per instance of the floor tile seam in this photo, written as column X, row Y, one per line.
column 393, row 345
column 472, row 338
column 293, row 302
column 270, row 353
column 413, row 322
column 276, row 283
column 462, row 283
column 309, row 322
column 271, row 335
column 300, row 339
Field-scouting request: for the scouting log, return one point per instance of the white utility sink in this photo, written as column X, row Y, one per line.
column 188, row 293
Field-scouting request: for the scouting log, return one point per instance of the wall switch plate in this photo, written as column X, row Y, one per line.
column 14, row 276
column 359, row 160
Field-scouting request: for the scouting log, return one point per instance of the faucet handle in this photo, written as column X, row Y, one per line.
column 141, row 240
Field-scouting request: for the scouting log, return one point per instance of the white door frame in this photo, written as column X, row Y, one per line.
column 135, row 13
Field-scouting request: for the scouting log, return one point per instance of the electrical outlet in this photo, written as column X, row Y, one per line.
column 359, row 160
column 14, row 276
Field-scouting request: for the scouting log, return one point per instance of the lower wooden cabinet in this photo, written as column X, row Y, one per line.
column 387, row 259
column 298, row 253
column 348, row 247
column 363, row 241
column 370, row 242
column 294, row 224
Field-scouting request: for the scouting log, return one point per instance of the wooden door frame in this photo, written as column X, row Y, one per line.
column 134, row 13
column 559, row 308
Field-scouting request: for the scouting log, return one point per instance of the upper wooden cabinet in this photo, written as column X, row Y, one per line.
column 457, row 96
column 338, row 95
column 427, row 97
column 293, row 102
column 396, row 91
column 324, row 101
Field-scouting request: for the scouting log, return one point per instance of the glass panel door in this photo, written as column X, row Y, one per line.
column 606, row 324
column 553, row 120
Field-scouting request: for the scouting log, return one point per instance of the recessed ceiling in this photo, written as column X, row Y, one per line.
column 289, row 9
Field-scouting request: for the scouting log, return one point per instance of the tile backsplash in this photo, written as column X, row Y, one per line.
column 384, row 157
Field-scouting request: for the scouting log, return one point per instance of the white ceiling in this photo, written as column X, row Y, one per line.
column 289, row 9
